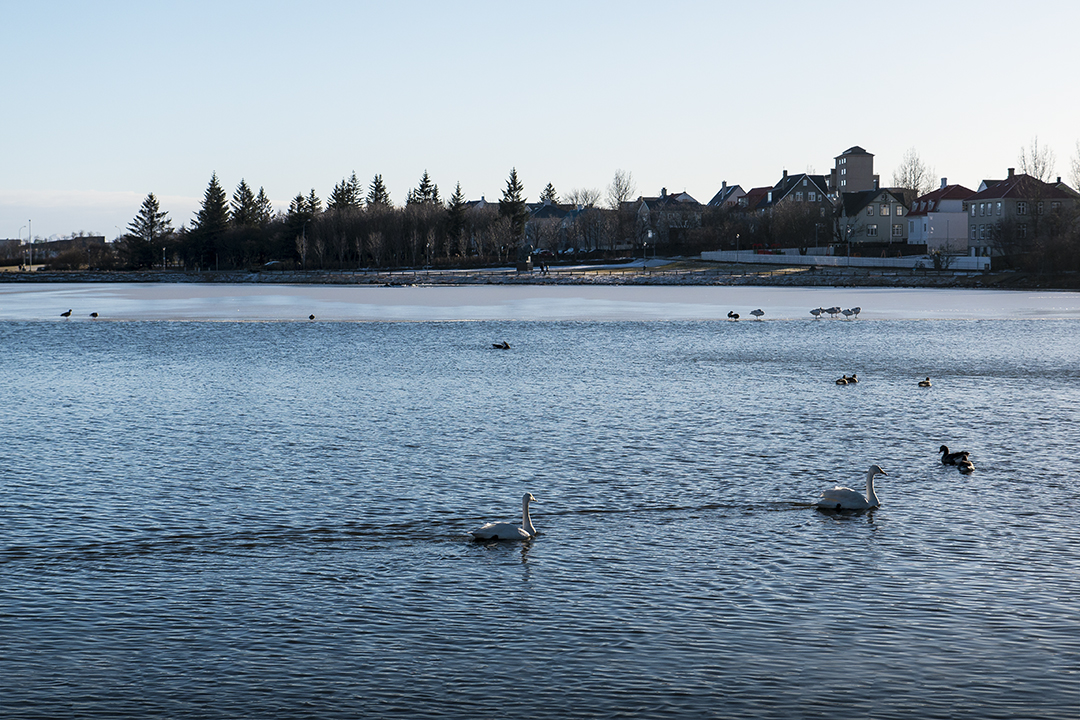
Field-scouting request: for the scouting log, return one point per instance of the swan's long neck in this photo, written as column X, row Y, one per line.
column 526, row 521
column 871, row 496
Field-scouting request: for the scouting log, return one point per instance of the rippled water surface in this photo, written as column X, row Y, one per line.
column 265, row 519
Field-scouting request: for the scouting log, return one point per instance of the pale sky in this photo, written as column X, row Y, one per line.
column 107, row 101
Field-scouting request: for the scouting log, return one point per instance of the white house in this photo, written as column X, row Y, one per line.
column 938, row 220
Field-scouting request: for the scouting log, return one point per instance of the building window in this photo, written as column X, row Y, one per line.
column 1039, row 207
column 1054, row 205
column 884, row 210
column 911, row 227
column 798, row 196
column 869, row 210
column 843, row 171
column 871, row 231
column 972, row 209
column 1021, row 207
column 982, row 209
column 972, row 233
column 811, row 196
column 804, row 182
column 898, row 230
column 1021, row 231
column 822, row 212
column 899, row 210
column 999, row 207
column 982, row 232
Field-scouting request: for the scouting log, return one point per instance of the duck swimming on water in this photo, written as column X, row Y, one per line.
column 924, row 383
column 948, row 458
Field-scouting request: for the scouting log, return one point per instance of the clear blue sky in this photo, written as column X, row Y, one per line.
column 106, row 101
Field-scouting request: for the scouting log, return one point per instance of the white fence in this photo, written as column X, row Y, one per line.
column 956, row 262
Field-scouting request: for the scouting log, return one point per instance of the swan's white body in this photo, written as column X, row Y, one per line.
column 816, row 312
column 509, row 531
column 842, row 498
column 834, row 310
column 856, row 310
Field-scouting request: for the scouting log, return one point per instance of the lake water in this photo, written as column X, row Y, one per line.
column 209, row 519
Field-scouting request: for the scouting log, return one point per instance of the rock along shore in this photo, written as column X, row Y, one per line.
column 674, row 273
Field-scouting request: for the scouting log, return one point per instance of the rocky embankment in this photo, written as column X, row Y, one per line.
column 677, row 273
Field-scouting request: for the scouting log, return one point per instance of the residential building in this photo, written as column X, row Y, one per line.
column 1007, row 213
column 876, row 216
column 665, row 215
column 939, row 221
column 853, row 172
column 727, row 197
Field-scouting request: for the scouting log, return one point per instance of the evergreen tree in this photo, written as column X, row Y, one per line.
column 314, row 204
column 245, row 209
column 377, row 194
column 149, row 230
column 209, row 225
column 346, row 194
column 455, row 216
column 264, row 211
column 549, row 195
column 512, row 204
column 425, row 193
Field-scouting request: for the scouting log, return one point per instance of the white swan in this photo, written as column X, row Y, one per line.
column 848, row 313
column 757, row 313
column 509, row 531
column 842, row 498
column 816, row 312
column 856, row 310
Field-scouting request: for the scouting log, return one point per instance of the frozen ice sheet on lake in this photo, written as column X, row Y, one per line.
column 343, row 303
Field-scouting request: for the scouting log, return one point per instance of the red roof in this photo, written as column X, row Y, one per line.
column 1021, row 187
column 929, row 202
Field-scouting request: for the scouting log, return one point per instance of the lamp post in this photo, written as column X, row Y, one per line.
column 30, row 242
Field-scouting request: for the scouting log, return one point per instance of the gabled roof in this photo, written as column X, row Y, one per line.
column 727, row 193
column 756, row 198
column 1021, row 187
column 790, row 183
column 545, row 210
column 929, row 202
column 855, row 202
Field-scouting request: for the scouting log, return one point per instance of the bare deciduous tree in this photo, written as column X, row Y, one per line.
column 621, row 189
column 913, row 174
column 1038, row 162
column 585, row 197
column 1075, row 175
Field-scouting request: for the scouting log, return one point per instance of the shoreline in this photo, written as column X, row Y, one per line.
column 680, row 272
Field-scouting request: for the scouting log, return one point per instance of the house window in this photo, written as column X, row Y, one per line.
column 898, row 230
column 884, row 209
column 804, row 182
column 982, row 209
column 871, row 231
column 843, row 171
column 843, row 183
column 1021, row 231
column 1021, row 207
column 899, row 210
column 1054, row 205
column 822, row 212
column 798, row 196
column 869, row 210
column 1039, row 207
column 972, row 233
column 999, row 207
column 811, row 196
column 972, row 209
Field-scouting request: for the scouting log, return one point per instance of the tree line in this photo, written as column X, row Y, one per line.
column 360, row 227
